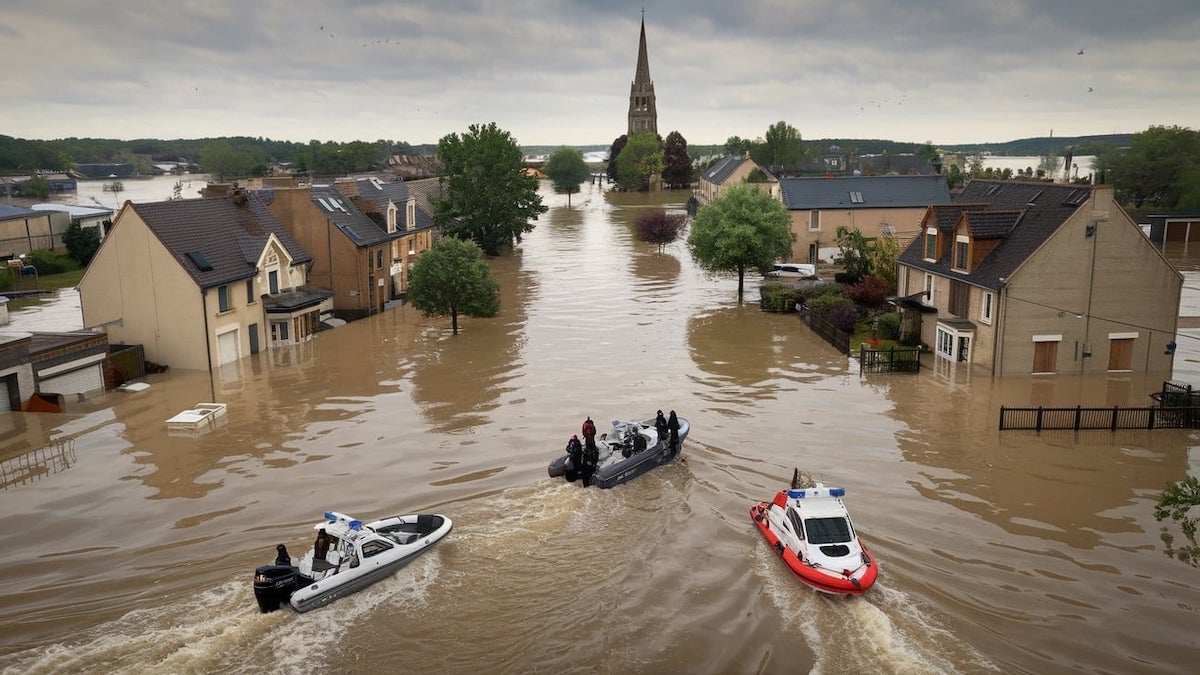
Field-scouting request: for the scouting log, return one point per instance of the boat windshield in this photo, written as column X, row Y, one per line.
column 832, row 530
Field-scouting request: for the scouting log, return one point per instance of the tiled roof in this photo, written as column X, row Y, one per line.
column 992, row 224
column 425, row 191
column 1035, row 211
column 223, row 236
column 946, row 215
column 864, row 192
column 377, row 192
column 347, row 217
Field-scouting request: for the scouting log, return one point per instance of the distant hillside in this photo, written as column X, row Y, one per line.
column 1030, row 147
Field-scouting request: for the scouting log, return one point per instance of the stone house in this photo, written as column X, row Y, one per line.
column 396, row 211
column 734, row 170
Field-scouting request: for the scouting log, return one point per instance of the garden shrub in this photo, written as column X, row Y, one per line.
column 843, row 315
column 889, row 326
column 49, row 262
column 872, row 291
column 775, row 297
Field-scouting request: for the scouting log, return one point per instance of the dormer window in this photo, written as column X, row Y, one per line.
column 410, row 214
column 931, row 243
column 391, row 217
column 962, row 247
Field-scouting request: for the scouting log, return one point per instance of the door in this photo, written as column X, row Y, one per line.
column 812, row 253
column 227, row 347
column 14, row 391
column 1045, row 356
column 253, row 338
column 1120, row 354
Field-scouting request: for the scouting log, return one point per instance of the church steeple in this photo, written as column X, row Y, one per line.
column 643, row 113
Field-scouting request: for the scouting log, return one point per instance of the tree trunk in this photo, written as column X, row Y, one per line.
column 454, row 320
column 741, row 278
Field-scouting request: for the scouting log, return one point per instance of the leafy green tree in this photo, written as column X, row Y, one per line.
column 853, row 256
column 930, row 154
column 743, row 228
column 881, row 260
column 954, row 177
column 641, row 158
column 1149, row 170
column 36, row 188
column 1178, row 503
column 613, row 153
column 486, row 196
column 224, row 161
column 567, row 170
column 736, row 145
column 677, row 163
column 451, row 278
column 781, row 147
column 81, row 242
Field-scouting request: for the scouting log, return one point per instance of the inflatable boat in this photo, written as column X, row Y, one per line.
column 624, row 452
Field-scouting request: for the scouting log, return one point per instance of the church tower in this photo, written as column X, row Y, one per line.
column 643, row 114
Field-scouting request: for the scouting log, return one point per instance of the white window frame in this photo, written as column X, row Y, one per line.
column 929, row 232
column 987, row 308
column 928, row 288
column 958, row 262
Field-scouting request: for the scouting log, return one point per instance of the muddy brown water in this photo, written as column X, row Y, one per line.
column 127, row 549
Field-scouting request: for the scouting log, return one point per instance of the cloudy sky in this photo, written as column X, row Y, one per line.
column 558, row 71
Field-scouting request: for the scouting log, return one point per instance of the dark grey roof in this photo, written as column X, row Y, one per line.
column 991, row 224
column 347, row 217
column 719, row 172
column 8, row 212
column 378, row 192
column 864, row 192
column 295, row 298
column 1030, row 212
column 228, row 232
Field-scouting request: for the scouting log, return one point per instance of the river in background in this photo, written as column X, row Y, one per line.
column 127, row 549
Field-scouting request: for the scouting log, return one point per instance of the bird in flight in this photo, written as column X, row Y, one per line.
column 1080, row 52
column 1090, row 90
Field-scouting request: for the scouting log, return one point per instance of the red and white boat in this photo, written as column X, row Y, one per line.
column 811, row 531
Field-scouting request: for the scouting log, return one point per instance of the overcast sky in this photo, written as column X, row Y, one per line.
column 557, row 72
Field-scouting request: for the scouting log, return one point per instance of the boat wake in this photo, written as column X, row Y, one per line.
column 885, row 631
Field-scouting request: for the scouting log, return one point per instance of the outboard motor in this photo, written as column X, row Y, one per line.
column 274, row 584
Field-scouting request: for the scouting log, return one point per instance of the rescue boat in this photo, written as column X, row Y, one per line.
column 810, row 529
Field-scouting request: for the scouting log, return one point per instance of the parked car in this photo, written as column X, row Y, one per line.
column 793, row 271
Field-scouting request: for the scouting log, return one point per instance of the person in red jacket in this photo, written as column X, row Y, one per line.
column 591, row 454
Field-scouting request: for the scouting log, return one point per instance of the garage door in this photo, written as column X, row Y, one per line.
column 81, row 381
column 227, row 345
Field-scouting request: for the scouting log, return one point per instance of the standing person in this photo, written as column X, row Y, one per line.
column 589, row 433
column 321, row 546
column 660, row 424
column 673, row 427
column 575, row 459
column 591, row 458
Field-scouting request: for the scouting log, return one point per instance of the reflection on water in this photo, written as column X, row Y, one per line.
column 999, row 551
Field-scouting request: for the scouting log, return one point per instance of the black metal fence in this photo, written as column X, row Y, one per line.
column 894, row 358
column 124, row 363
column 1116, row 417
column 835, row 336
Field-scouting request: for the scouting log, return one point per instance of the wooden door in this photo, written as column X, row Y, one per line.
column 1120, row 353
column 1045, row 356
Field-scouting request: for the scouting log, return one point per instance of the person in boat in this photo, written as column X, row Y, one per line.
column 574, row 458
column 589, row 433
column 591, row 458
column 281, row 556
column 673, row 428
column 639, row 442
column 660, row 423
column 321, row 546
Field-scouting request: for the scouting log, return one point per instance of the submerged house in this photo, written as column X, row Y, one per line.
column 201, row 282
column 1039, row 278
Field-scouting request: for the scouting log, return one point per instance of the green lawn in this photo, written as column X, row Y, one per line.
column 50, row 281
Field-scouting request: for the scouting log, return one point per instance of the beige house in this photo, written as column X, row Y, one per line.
column 1039, row 278
column 397, row 211
column 201, row 282
column 887, row 206
column 25, row 230
column 734, row 170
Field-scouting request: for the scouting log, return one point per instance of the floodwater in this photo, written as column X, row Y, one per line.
column 127, row 549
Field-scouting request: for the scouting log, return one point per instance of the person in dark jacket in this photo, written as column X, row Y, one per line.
column 660, row 424
column 321, row 546
column 589, row 434
column 591, row 458
column 673, row 427
column 574, row 459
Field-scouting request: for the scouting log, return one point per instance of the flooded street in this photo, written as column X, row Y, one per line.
column 127, row 549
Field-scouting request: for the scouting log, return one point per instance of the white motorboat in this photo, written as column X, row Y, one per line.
column 348, row 556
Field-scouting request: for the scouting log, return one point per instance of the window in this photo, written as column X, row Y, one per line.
column 223, row 299
column 250, row 291
column 985, row 314
column 961, row 249
column 830, row 530
column 411, row 215
column 379, row 259
column 273, row 281
column 931, row 243
column 279, row 331
column 960, row 299
column 375, row 547
column 929, row 289
column 814, row 220
column 1120, row 351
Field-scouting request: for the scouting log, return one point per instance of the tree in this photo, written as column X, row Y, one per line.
column 641, row 158
column 224, row 161
column 486, row 197
column 781, row 147
column 1177, row 503
column 36, row 188
column 677, row 164
column 1148, row 171
column 567, row 170
column 736, row 145
column 853, row 256
column 881, row 260
column 954, row 177
column 81, row 242
column 656, row 226
column 743, row 228
column 614, row 152
column 451, row 278
column 930, row 154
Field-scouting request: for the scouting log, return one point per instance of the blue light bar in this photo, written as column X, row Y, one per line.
column 356, row 525
column 837, row 492
column 796, row 494
column 330, row 517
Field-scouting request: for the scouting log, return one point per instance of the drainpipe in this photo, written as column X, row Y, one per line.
column 212, row 387
column 998, row 322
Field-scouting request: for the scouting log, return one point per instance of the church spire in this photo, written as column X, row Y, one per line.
column 643, row 113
